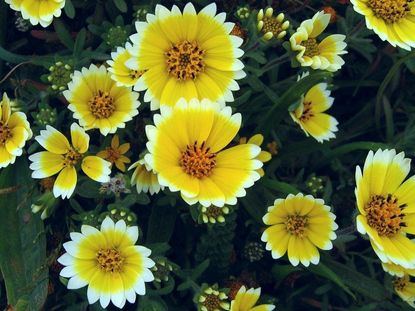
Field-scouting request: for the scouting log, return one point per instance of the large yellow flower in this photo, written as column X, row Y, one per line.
column 387, row 207
column 322, row 55
column 121, row 74
column 186, row 150
column 109, row 262
column 97, row 102
column 299, row 224
column 310, row 114
column 14, row 132
column 245, row 300
column 38, row 11
column 263, row 156
column 144, row 178
column 63, row 158
column 405, row 289
column 391, row 20
column 189, row 55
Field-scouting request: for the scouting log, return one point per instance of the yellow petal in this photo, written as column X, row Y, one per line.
column 96, row 168
column 65, row 183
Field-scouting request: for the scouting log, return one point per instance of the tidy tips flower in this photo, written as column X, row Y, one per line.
column 386, row 206
column 322, row 55
column 299, row 225
column 144, row 178
column 186, row 54
column 98, row 103
column 108, row 262
column 310, row 114
column 63, row 158
column 186, row 149
column 245, row 300
column 38, row 12
column 14, row 132
column 391, row 20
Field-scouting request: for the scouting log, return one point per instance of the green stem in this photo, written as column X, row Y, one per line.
column 3, row 28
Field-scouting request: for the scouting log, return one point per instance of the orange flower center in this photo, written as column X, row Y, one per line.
column 71, row 158
column 307, row 112
column 391, row 11
column 110, row 260
column 101, row 105
column 198, row 161
column 212, row 302
column 185, row 60
column 296, row 225
column 271, row 24
column 112, row 154
column 384, row 214
column 311, row 47
column 399, row 284
column 5, row 133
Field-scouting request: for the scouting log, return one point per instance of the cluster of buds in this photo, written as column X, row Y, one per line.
column 116, row 36
column 243, row 12
column 253, row 251
column 46, row 115
column 59, row 76
column 118, row 213
column 211, row 298
column 162, row 270
column 271, row 26
column 315, row 185
column 213, row 214
column 141, row 13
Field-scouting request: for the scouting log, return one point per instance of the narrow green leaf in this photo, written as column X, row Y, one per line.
column 63, row 34
column 79, row 42
column 121, row 5
column 11, row 57
column 69, row 9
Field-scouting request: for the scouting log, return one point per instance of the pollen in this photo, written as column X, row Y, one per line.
column 384, row 214
column 273, row 25
column 136, row 74
column 391, row 11
column 71, row 158
column 399, row 284
column 198, row 161
column 101, row 105
column 185, row 60
column 5, row 133
column 110, row 260
column 296, row 225
column 311, row 47
column 307, row 112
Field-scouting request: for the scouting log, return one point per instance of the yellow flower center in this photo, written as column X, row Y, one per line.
column 384, row 214
column 399, row 284
column 391, row 11
column 136, row 74
column 212, row 302
column 102, row 105
column 307, row 112
column 198, row 161
column 311, row 47
column 271, row 24
column 185, row 60
column 110, row 260
column 214, row 211
column 296, row 225
column 5, row 133
column 71, row 158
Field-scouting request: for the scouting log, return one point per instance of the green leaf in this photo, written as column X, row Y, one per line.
column 88, row 189
column 11, row 57
column 121, row 5
column 79, row 42
column 63, row 34
column 161, row 224
column 22, row 240
column 69, row 9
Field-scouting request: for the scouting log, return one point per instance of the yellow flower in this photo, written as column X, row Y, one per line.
column 115, row 153
column 386, row 206
column 14, row 132
column 98, row 103
column 299, row 224
column 310, row 114
column 272, row 26
column 322, row 55
column 121, row 74
column 62, row 157
column 405, row 289
column 189, row 55
column 391, row 20
column 185, row 148
column 245, row 300
column 144, row 178
column 264, row 156
column 38, row 12
column 109, row 262
column 396, row 270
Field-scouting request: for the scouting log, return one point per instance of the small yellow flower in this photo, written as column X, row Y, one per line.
column 115, row 153
column 121, row 74
column 299, row 225
column 264, row 156
column 391, row 20
column 144, row 178
column 310, row 114
column 186, row 149
column 245, row 300
column 186, row 54
column 322, row 55
column 38, row 12
column 98, row 103
column 62, row 157
column 405, row 289
column 272, row 26
column 109, row 262
column 386, row 206
column 14, row 132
